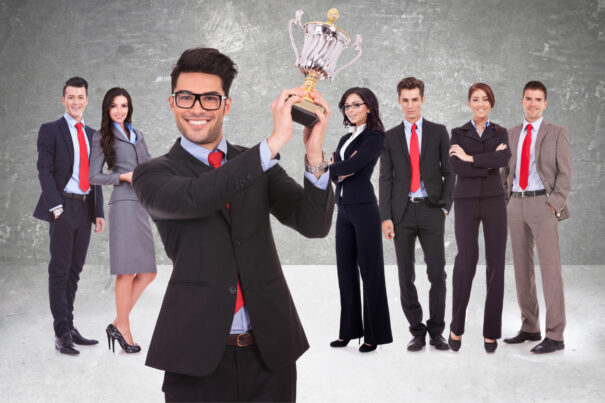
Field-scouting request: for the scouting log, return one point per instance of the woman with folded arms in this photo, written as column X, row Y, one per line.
column 478, row 150
column 358, row 224
column 131, row 250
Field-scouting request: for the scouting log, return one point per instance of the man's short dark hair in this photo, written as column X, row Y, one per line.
column 535, row 85
column 77, row 82
column 205, row 60
column 409, row 83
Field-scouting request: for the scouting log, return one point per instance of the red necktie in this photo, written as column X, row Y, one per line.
column 524, row 177
column 84, row 184
column 414, row 160
column 215, row 159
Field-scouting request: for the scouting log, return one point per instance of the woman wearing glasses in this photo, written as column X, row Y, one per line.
column 479, row 149
column 358, row 224
column 131, row 250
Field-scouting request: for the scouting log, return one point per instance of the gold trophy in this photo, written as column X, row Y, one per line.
column 324, row 42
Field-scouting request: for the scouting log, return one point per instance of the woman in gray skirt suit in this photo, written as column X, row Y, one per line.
column 131, row 250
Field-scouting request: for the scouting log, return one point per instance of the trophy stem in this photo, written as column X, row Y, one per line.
column 309, row 85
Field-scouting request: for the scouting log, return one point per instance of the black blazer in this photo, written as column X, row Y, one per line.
column 396, row 173
column 358, row 187
column 210, row 245
column 55, row 167
column 482, row 177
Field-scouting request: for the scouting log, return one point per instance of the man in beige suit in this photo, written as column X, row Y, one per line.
column 537, row 182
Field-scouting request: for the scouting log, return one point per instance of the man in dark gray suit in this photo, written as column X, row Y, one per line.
column 228, row 329
column 415, row 196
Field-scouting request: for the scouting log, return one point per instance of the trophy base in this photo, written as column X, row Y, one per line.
column 304, row 113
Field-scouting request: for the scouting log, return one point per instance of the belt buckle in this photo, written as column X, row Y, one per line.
column 237, row 339
column 523, row 194
column 413, row 200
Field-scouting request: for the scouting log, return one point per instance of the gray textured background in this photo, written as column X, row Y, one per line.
column 448, row 44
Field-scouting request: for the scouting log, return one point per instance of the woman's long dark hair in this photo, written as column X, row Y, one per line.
column 368, row 97
column 107, row 136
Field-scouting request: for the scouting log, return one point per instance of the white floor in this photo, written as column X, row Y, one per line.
column 31, row 370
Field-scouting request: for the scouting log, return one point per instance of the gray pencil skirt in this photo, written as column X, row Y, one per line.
column 131, row 247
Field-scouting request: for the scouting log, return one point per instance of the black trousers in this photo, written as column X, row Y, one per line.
column 240, row 377
column 69, row 239
column 491, row 212
column 359, row 244
column 427, row 223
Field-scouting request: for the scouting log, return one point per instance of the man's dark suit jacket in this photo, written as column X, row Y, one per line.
column 358, row 187
column 396, row 172
column 480, row 178
column 211, row 245
column 55, row 167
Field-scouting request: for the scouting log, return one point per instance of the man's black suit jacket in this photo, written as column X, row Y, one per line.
column 396, row 173
column 357, row 187
column 55, row 167
column 211, row 245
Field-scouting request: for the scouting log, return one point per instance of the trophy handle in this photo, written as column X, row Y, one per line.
column 295, row 21
column 357, row 45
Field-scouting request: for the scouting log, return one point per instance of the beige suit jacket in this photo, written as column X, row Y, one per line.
column 553, row 161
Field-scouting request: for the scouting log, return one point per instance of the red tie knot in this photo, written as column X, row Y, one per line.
column 79, row 125
column 529, row 128
column 414, row 127
column 215, row 158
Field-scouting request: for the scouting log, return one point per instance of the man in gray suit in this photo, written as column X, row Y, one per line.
column 537, row 183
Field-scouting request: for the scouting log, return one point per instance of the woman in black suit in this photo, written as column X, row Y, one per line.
column 479, row 149
column 358, row 224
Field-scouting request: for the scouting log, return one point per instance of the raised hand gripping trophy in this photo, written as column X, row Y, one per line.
column 324, row 42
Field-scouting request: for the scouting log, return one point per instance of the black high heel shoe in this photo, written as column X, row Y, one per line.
column 366, row 348
column 490, row 347
column 340, row 343
column 114, row 334
column 454, row 344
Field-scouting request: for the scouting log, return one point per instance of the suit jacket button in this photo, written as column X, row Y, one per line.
column 232, row 290
column 236, row 243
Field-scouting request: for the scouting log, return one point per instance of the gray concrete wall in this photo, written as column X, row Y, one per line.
column 448, row 44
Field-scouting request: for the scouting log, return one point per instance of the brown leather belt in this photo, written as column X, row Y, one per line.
column 75, row 196
column 240, row 340
column 530, row 193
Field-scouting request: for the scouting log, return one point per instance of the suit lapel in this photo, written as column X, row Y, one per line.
column 341, row 143
column 400, row 130
column 118, row 135
column 425, row 139
column 541, row 135
column 69, row 144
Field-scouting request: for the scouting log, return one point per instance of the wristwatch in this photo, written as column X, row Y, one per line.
column 57, row 212
column 313, row 169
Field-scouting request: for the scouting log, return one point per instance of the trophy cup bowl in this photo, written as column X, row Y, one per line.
column 324, row 42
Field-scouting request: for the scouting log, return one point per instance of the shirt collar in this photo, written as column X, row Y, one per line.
column 535, row 125
column 357, row 129
column 128, row 126
column 408, row 125
column 71, row 121
column 200, row 152
column 484, row 126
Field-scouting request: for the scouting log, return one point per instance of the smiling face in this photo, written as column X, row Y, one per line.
column 411, row 104
column 118, row 110
column 480, row 105
column 534, row 103
column 198, row 125
column 357, row 116
column 75, row 101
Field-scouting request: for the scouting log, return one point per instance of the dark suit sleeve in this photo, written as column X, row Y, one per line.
column 308, row 211
column 494, row 159
column 368, row 150
column 448, row 178
column 463, row 168
column 166, row 195
column 47, row 139
column 385, row 182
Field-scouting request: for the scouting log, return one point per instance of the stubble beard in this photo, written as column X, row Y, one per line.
column 214, row 133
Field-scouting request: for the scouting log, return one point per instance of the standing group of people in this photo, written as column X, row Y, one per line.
column 422, row 173
column 227, row 308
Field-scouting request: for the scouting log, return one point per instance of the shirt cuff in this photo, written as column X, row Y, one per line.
column 321, row 182
column 56, row 207
column 265, row 156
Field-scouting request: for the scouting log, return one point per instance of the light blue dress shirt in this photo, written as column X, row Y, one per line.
column 133, row 136
column 533, row 181
column 484, row 127
column 73, row 185
column 241, row 319
column 421, row 191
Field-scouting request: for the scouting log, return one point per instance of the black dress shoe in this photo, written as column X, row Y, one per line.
column 523, row 336
column 490, row 347
column 416, row 343
column 64, row 345
column 339, row 343
column 454, row 344
column 439, row 342
column 548, row 346
column 366, row 348
column 79, row 339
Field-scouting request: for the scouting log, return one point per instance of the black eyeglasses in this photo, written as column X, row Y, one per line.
column 209, row 102
column 354, row 106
